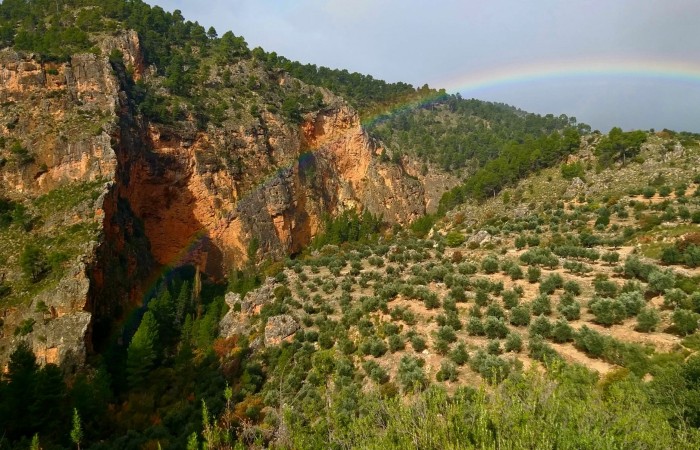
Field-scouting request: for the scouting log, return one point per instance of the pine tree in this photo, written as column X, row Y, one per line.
column 163, row 309
column 32, row 261
column 21, row 373
column 142, row 354
column 35, row 443
column 76, row 433
column 182, row 304
column 192, row 442
column 49, row 393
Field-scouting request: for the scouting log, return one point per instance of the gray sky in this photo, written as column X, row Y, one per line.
column 631, row 63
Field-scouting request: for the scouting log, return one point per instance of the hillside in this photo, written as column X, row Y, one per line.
column 184, row 166
column 202, row 243
column 196, row 150
column 554, row 270
column 549, row 247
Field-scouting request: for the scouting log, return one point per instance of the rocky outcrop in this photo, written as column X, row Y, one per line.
column 242, row 310
column 198, row 207
column 576, row 187
column 433, row 180
column 128, row 46
column 230, row 324
column 67, row 118
column 479, row 238
column 59, row 113
column 177, row 194
column 278, row 328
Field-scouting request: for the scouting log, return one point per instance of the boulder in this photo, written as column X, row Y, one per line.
column 254, row 300
column 479, row 238
column 241, row 310
column 230, row 324
column 576, row 187
column 279, row 328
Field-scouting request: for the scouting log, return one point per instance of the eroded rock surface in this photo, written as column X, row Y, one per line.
column 177, row 194
column 279, row 328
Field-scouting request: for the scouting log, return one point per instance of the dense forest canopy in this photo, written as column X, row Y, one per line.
column 456, row 133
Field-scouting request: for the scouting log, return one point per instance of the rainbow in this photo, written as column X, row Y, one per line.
column 658, row 69
column 157, row 281
column 475, row 83
column 673, row 70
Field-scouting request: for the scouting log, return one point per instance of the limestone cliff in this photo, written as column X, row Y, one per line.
column 61, row 136
column 196, row 209
column 165, row 194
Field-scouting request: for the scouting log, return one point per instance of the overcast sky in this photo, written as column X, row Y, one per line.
column 631, row 63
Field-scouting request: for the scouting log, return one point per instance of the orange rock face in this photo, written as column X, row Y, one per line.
column 176, row 195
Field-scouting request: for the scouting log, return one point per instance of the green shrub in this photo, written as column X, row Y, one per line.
column 590, row 342
column 494, row 347
column 475, row 327
column 573, row 170
column 495, row 328
column 494, row 310
column 373, row 346
column 511, row 299
column 441, row 347
column 25, row 327
column 611, row 257
column 661, row 280
column 450, row 318
column 671, row 255
column 454, row 239
column 632, row 302
column 375, row 372
column 604, row 287
column 541, row 351
column 647, row 320
column 541, row 326
column 607, row 311
column 410, row 374
column 569, row 308
column 572, row 287
column 396, row 343
column 492, row 368
column 691, row 256
column 515, row 272
column 514, row 342
column 520, row 316
column 562, row 331
column 459, row 354
column 418, row 343
column 533, row 274
column 649, row 192
column 541, row 305
column 481, row 298
column 489, row 265
column 685, row 322
column 447, row 372
column 634, row 268
column 446, row 333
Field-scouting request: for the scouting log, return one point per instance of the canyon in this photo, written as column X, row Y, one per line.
column 167, row 195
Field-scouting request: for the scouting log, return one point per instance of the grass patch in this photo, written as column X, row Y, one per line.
column 692, row 342
column 67, row 197
column 62, row 238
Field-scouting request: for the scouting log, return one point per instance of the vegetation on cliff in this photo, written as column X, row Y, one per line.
column 554, row 304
